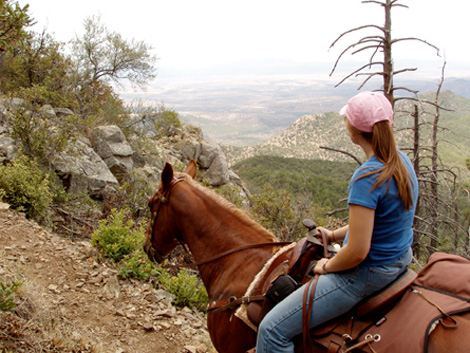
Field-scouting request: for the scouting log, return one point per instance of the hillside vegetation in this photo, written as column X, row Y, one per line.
column 306, row 135
column 323, row 182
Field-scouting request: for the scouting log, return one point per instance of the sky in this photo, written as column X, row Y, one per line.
column 202, row 34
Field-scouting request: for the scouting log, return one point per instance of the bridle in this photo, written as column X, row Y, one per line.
column 164, row 198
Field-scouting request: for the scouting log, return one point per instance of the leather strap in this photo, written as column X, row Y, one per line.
column 232, row 302
column 307, row 312
column 231, row 251
column 333, row 347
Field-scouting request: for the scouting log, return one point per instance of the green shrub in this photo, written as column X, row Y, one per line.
column 25, row 187
column 7, row 295
column 42, row 136
column 187, row 288
column 137, row 266
column 231, row 193
column 117, row 237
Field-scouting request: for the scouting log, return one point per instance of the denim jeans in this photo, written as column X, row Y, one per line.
column 335, row 294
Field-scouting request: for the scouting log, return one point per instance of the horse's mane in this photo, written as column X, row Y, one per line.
column 230, row 207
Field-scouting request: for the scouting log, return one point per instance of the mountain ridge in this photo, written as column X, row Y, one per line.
column 314, row 136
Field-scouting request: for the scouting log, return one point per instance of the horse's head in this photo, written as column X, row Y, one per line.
column 162, row 235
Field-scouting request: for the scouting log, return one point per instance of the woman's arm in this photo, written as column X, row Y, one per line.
column 361, row 224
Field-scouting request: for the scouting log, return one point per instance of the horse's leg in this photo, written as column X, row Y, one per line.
column 445, row 340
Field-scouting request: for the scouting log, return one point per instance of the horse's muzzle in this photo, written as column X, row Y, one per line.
column 152, row 253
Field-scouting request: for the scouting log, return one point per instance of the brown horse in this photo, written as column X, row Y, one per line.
column 230, row 249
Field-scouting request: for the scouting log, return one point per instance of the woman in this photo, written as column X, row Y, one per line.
column 377, row 241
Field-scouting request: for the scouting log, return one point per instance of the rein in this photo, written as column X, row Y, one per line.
column 229, row 252
column 164, row 198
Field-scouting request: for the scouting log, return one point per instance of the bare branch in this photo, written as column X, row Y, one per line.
column 344, row 152
column 333, row 212
column 419, row 40
column 368, row 78
column 360, row 69
column 356, row 29
column 404, row 89
column 360, row 42
column 405, row 70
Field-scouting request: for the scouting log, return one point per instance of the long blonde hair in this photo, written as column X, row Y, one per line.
column 385, row 150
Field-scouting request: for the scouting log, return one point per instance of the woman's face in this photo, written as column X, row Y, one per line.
column 352, row 135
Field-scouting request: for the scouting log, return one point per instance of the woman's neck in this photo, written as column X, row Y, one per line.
column 366, row 147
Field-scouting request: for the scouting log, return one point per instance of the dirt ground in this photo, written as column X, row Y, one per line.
column 82, row 304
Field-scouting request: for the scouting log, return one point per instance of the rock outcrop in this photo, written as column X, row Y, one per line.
column 111, row 145
column 107, row 158
column 83, row 170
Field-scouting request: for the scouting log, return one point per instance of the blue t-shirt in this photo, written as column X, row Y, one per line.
column 392, row 234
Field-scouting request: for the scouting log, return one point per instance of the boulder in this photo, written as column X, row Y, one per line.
column 111, row 145
column 83, row 170
column 48, row 110
column 61, row 112
column 8, row 149
column 13, row 104
column 212, row 159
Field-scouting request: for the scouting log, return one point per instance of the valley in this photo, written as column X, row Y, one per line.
column 295, row 115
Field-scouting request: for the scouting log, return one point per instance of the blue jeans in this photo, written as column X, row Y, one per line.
column 335, row 294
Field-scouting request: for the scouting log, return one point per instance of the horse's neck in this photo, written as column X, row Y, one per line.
column 210, row 230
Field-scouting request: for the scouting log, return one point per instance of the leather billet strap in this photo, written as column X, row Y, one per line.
column 309, row 294
column 232, row 302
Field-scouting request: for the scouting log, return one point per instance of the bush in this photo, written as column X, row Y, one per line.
column 25, row 187
column 187, row 288
column 42, row 136
column 7, row 294
column 137, row 266
column 117, row 237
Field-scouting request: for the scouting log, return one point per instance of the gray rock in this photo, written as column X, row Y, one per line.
column 212, row 158
column 8, row 149
column 61, row 112
column 13, row 103
column 111, row 145
column 112, row 289
column 83, row 170
column 48, row 110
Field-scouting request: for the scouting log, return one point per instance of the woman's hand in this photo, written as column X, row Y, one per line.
column 320, row 267
column 326, row 231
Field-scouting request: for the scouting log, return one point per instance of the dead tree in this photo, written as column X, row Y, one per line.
column 380, row 43
column 436, row 214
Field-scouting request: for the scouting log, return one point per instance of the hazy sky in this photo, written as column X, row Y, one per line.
column 204, row 33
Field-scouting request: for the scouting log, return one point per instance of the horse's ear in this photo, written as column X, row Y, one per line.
column 167, row 175
column 191, row 168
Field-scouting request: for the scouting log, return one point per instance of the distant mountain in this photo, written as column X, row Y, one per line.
column 303, row 140
column 308, row 134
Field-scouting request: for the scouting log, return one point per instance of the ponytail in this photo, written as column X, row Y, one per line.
column 385, row 150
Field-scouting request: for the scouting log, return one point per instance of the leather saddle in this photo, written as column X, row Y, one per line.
column 298, row 264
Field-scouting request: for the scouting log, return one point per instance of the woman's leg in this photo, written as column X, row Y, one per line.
column 284, row 321
column 335, row 294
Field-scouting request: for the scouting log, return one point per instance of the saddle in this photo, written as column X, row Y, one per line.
column 294, row 267
column 403, row 316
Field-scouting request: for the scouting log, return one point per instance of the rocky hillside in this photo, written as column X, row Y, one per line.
column 305, row 137
column 98, row 161
column 302, row 139
column 69, row 299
